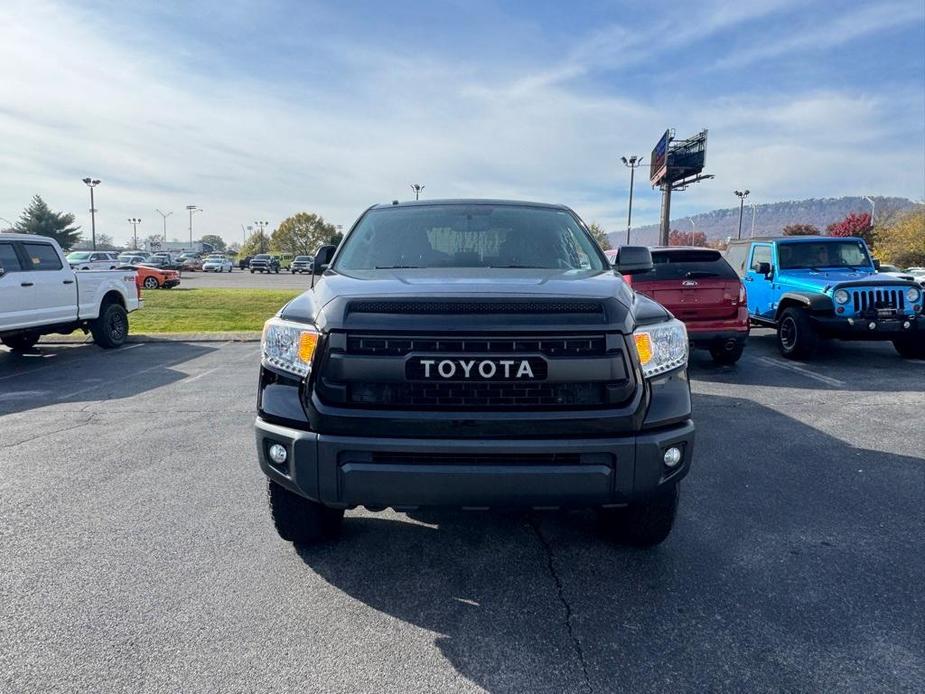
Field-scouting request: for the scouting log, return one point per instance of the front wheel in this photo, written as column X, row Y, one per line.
column 723, row 354
column 796, row 335
column 21, row 343
column 910, row 347
column 252, row 272
column 111, row 328
column 300, row 520
column 644, row 523
column 150, row 282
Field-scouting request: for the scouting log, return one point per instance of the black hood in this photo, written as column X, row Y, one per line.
column 463, row 299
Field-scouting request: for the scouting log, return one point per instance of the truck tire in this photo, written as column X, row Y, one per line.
column 252, row 271
column 300, row 520
column 722, row 355
column 21, row 343
column 910, row 347
column 796, row 335
column 110, row 330
column 644, row 523
column 150, row 282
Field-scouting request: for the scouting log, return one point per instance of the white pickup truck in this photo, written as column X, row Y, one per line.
column 41, row 294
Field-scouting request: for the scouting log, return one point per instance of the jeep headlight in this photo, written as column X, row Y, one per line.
column 841, row 296
column 661, row 347
column 288, row 346
column 913, row 294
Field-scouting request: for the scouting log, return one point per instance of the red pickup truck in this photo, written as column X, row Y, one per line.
column 701, row 289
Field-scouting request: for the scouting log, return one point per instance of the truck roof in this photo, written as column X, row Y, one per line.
column 794, row 239
column 467, row 201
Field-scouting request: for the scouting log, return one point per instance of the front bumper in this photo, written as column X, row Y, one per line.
column 859, row 327
column 171, row 283
column 344, row 471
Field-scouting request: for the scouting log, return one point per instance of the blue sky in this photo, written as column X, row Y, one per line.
column 258, row 110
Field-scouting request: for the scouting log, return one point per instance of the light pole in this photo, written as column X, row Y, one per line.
column 91, row 184
column 741, row 194
column 632, row 163
column 192, row 209
column 417, row 188
column 873, row 209
column 134, row 221
column 754, row 212
column 165, row 215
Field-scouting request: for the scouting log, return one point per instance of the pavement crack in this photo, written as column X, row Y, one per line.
column 576, row 644
column 45, row 434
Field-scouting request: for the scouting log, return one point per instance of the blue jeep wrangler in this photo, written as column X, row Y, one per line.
column 815, row 287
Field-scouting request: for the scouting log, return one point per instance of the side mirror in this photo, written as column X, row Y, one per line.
column 764, row 269
column 322, row 259
column 633, row 260
column 877, row 265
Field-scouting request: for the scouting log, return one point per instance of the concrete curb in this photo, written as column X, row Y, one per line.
column 241, row 336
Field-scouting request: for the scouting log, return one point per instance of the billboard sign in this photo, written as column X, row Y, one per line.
column 687, row 157
column 658, row 162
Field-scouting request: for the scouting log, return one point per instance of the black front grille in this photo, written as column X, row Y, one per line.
column 875, row 299
column 474, row 307
column 483, row 395
column 398, row 346
column 476, row 458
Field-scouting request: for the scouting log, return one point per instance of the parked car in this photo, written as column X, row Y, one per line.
column 41, row 294
column 153, row 278
column 192, row 264
column 816, row 287
column 507, row 364
column 217, row 264
column 167, row 261
column 92, row 260
column 128, row 259
column 244, row 262
column 264, row 263
column 129, row 256
column 300, row 264
column 701, row 289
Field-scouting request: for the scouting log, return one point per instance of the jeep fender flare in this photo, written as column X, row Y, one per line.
column 812, row 302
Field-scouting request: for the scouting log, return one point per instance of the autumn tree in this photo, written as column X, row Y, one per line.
column 687, row 238
column 257, row 243
column 801, row 230
column 597, row 231
column 39, row 219
column 902, row 242
column 853, row 225
column 302, row 234
column 214, row 240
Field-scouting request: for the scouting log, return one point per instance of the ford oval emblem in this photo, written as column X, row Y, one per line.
column 689, row 283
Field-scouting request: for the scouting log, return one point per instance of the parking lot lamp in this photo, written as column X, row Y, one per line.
column 741, row 194
column 134, row 221
column 165, row 215
column 192, row 209
column 91, row 184
column 417, row 188
column 631, row 163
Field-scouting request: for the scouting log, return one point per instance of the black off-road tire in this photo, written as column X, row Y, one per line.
column 300, row 520
column 644, row 523
column 21, row 343
column 796, row 334
column 150, row 282
column 721, row 355
column 110, row 330
column 252, row 272
column 912, row 347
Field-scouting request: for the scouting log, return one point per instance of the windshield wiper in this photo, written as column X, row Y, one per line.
column 398, row 267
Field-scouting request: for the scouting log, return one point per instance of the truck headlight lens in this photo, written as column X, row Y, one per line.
column 661, row 347
column 913, row 294
column 841, row 296
column 288, row 346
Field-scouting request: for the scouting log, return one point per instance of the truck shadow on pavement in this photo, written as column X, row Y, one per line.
column 795, row 564
column 54, row 374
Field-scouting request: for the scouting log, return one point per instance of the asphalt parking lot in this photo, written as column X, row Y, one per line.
column 138, row 554
column 243, row 279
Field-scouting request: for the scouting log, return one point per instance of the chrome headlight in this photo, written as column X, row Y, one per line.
column 661, row 347
column 913, row 294
column 288, row 346
column 841, row 296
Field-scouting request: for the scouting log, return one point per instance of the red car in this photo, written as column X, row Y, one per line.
column 703, row 291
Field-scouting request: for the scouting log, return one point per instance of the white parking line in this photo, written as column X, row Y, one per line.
column 200, row 375
column 805, row 372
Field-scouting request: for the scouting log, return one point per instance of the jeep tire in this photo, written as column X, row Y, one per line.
column 911, row 347
column 21, row 343
column 722, row 355
column 796, row 335
column 300, row 520
column 110, row 330
column 643, row 523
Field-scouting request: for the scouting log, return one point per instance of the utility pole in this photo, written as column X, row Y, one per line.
column 91, row 184
column 741, row 194
column 632, row 163
column 134, row 221
column 873, row 209
column 165, row 215
column 754, row 212
column 192, row 209
column 262, row 224
column 417, row 188
column 665, row 222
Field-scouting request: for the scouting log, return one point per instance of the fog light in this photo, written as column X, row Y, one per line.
column 278, row 454
column 906, row 325
column 872, row 325
column 672, row 456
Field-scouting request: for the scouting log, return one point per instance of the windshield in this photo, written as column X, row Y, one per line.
column 688, row 264
column 824, row 254
column 302, row 259
column 78, row 256
column 261, row 257
column 469, row 236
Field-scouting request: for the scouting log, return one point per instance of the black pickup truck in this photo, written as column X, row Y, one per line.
column 474, row 354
